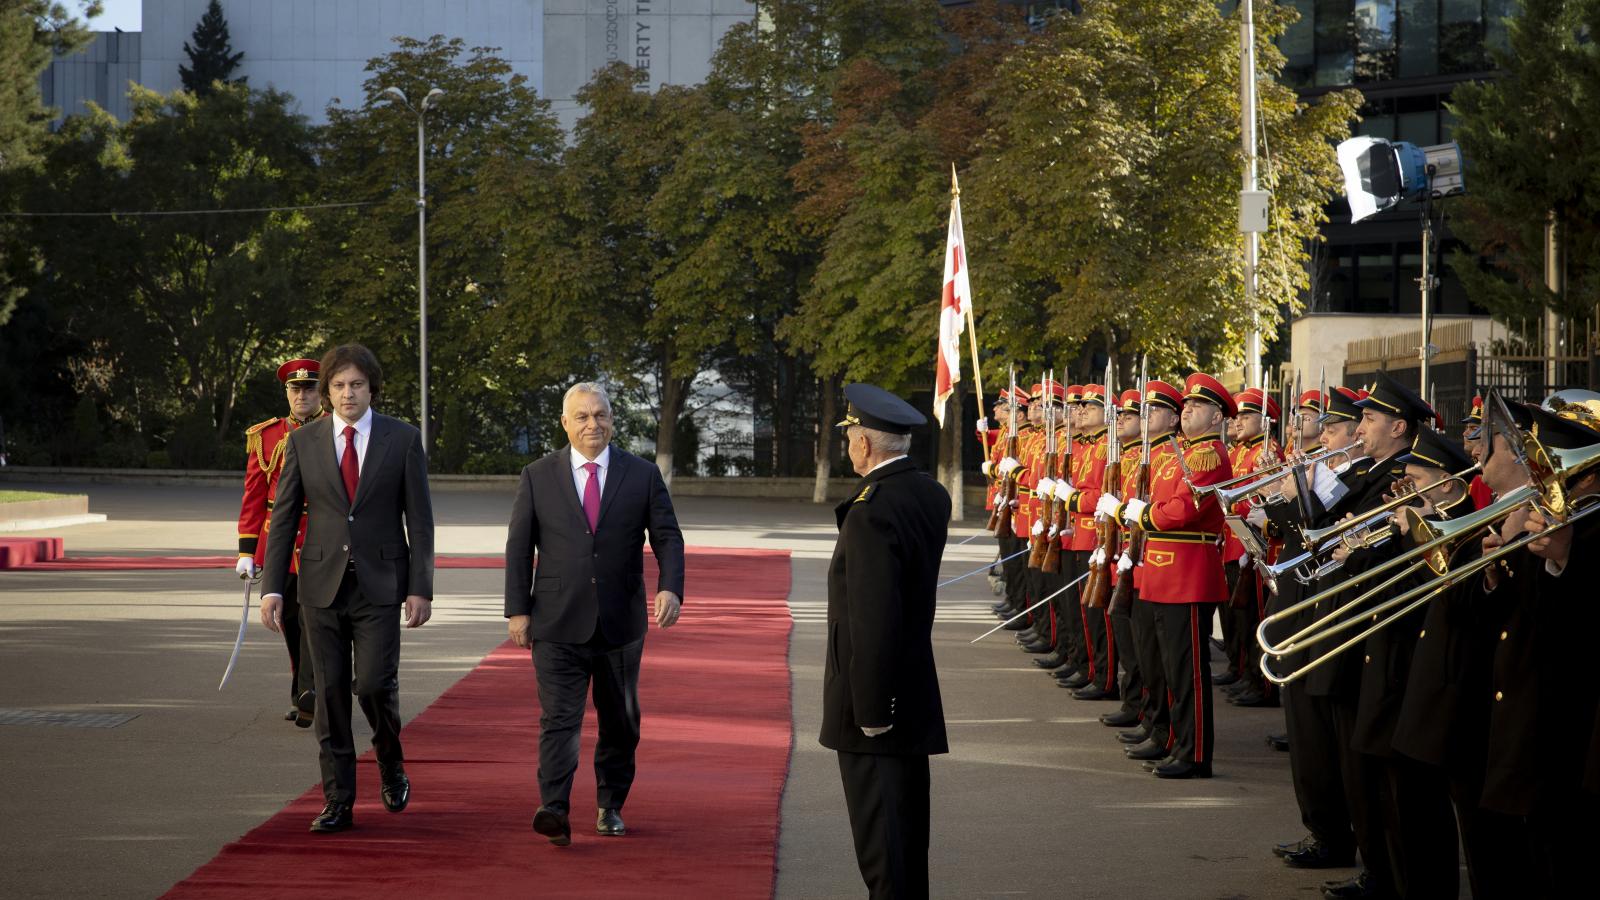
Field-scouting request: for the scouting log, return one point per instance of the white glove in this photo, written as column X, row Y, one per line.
column 1125, row 563
column 1132, row 509
column 983, row 424
column 1257, row 517
column 1038, row 526
column 246, row 567
column 1064, row 491
column 1107, row 505
column 1044, row 488
column 1098, row 557
column 1008, row 465
column 987, row 468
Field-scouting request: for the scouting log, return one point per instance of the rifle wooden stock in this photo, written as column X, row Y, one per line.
column 1006, row 497
column 1099, row 586
column 1051, row 562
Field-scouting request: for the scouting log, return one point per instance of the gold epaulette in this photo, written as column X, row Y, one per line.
column 1204, row 459
column 256, row 428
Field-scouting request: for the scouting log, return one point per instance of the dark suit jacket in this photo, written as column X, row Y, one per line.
column 587, row 581
column 881, row 597
column 388, row 530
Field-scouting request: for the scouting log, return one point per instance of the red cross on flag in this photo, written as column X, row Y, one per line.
column 954, row 309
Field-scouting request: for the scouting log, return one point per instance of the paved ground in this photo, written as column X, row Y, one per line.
column 1035, row 799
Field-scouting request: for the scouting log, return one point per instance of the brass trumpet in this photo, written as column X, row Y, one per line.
column 1243, row 487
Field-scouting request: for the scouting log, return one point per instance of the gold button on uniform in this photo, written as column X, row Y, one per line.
column 1369, row 659
column 1423, row 634
column 1499, row 695
column 1504, row 635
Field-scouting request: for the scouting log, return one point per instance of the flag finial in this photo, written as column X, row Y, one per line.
column 955, row 187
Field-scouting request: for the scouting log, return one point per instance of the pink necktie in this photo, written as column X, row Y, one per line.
column 591, row 495
column 349, row 465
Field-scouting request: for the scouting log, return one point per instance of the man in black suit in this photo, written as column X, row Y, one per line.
column 585, row 510
column 363, row 480
column 880, row 692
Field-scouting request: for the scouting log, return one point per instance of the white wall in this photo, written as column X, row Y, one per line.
column 1318, row 342
column 317, row 49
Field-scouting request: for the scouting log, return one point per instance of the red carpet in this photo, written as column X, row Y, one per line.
column 702, row 818
column 19, row 558
column 16, row 553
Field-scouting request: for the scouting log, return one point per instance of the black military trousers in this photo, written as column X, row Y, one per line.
column 566, row 672
column 1099, row 642
column 1049, row 583
column 1420, row 827
column 1132, row 689
column 354, row 627
column 887, row 797
column 1156, row 715
column 297, row 639
column 1365, row 789
column 1246, row 609
column 1314, row 768
column 1014, row 571
column 1183, row 631
column 1228, row 618
column 1070, row 612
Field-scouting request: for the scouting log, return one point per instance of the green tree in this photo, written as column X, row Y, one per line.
column 211, row 56
column 1531, row 138
column 1104, row 201
column 31, row 33
column 492, row 146
column 176, row 311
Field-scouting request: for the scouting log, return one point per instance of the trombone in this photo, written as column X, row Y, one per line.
column 1241, row 487
column 1370, row 529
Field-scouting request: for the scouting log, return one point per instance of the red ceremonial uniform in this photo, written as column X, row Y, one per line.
column 1030, row 441
column 1088, row 476
column 265, row 443
column 1182, row 552
column 996, row 452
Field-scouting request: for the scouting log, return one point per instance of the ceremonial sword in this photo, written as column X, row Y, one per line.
column 238, row 642
column 983, row 568
column 1029, row 609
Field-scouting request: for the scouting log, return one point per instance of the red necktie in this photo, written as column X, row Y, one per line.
column 591, row 495
column 349, row 467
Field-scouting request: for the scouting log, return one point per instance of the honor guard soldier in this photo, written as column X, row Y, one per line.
column 1014, row 568
column 1038, row 466
column 1152, row 742
column 992, row 440
column 1472, row 423
column 1120, row 609
column 881, row 710
column 1088, row 477
column 264, row 446
column 1254, row 448
column 1048, row 567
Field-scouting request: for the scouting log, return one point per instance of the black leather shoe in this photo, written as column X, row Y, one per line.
column 609, row 823
column 1054, row 661
column 305, row 709
column 1184, row 769
column 1074, row 681
column 1018, row 625
column 1282, row 850
column 396, row 787
column 1251, row 697
column 1094, row 692
column 1225, row 679
column 335, row 816
column 291, row 715
column 1317, row 855
column 1359, row 886
column 1036, row 647
column 1146, row 749
column 1135, row 736
column 1278, row 742
column 1122, row 718
column 553, row 825
column 1154, row 764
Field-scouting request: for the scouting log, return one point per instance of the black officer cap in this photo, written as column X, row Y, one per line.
column 1390, row 396
column 873, row 407
column 1434, row 450
column 1341, row 406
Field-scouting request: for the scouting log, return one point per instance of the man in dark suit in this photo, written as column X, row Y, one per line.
column 585, row 510
column 880, row 692
column 363, row 480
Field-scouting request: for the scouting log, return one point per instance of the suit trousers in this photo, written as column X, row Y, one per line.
column 1133, row 688
column 1184, row 632
column 354, row 627
column 1314, row 768
column 887, row 797
column 297, row 639
column 1156, row 716
column 565, row 673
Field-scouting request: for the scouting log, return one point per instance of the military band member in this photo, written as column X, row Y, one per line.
column 1252, row 449
column 882, row 712
column 264, row 447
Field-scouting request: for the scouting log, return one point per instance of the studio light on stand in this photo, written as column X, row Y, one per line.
column 1381, row 174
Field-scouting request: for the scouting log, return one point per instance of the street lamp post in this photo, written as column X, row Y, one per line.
column 422, row 241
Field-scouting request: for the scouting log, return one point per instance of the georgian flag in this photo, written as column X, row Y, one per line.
column 954, row 307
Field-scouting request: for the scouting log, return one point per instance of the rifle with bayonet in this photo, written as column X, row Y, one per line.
column 1122, row 596
column 1040, row 539
column 1104, row 557
column 1005, row 496
column 1061, row 521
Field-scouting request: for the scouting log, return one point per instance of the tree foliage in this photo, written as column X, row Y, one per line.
column 1531, row 138
column 211, row 56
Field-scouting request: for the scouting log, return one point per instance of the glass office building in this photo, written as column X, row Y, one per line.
column 1406, row 57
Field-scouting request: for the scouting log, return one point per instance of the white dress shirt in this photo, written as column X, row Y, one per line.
column 363, row 438
column 580, row 475
column 885, row 463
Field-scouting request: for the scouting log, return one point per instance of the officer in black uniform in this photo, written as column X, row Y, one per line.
column 880, row 707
